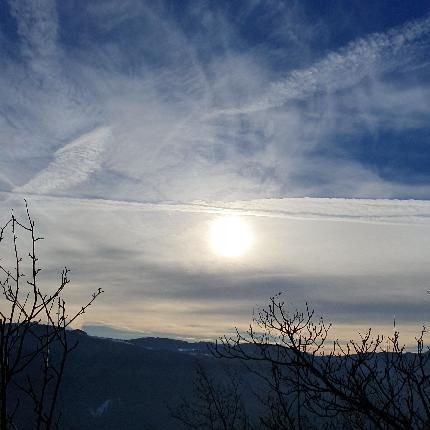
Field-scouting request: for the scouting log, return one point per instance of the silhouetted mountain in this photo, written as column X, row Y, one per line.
column 171, row 344
column 127, row 384
column 130, row 384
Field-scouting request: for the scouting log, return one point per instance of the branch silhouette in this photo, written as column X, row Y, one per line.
column 34, row 331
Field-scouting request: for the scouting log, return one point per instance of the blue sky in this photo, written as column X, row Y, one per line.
column 121, row 107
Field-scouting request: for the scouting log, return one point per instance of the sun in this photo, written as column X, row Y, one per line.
column 230, row 236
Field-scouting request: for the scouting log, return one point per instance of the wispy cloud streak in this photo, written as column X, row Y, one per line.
column 377, row 53
column 72, row 165
column 38, row 28
column 329, row 209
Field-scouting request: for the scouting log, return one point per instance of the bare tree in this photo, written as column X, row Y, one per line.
column 216, row 405
column 367, row 383
column 34, row 336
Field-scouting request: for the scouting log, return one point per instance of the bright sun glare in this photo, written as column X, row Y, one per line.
column 230, row 236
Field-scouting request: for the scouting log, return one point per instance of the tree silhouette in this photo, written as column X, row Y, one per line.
column 34, row 332
column 372, row 382
column 216, row 405
column 311, row 382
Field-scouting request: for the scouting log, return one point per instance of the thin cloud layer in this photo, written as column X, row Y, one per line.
column 129, row 126
column 73, row 164
column 163, row 80
column 156, row 265
column 319, row 209
column 376, row 54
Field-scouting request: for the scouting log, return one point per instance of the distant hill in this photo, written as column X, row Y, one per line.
column 112, row 384
column 127, row 384
column 176, row 345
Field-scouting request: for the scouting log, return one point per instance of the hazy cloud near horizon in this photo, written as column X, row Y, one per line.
column 156, row 265
column 130, row 125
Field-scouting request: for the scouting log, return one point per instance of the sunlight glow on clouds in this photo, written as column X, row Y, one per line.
column 129, row 126
column 154, row 264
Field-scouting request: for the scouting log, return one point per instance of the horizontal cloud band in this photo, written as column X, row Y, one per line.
column 332, row 209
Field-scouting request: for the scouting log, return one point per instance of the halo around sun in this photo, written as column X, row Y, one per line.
column 230, row 236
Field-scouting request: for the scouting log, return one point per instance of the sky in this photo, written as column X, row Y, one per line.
column 132, row 126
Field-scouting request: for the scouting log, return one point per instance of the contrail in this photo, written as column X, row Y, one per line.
column 380, row 211
column 379, row 52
